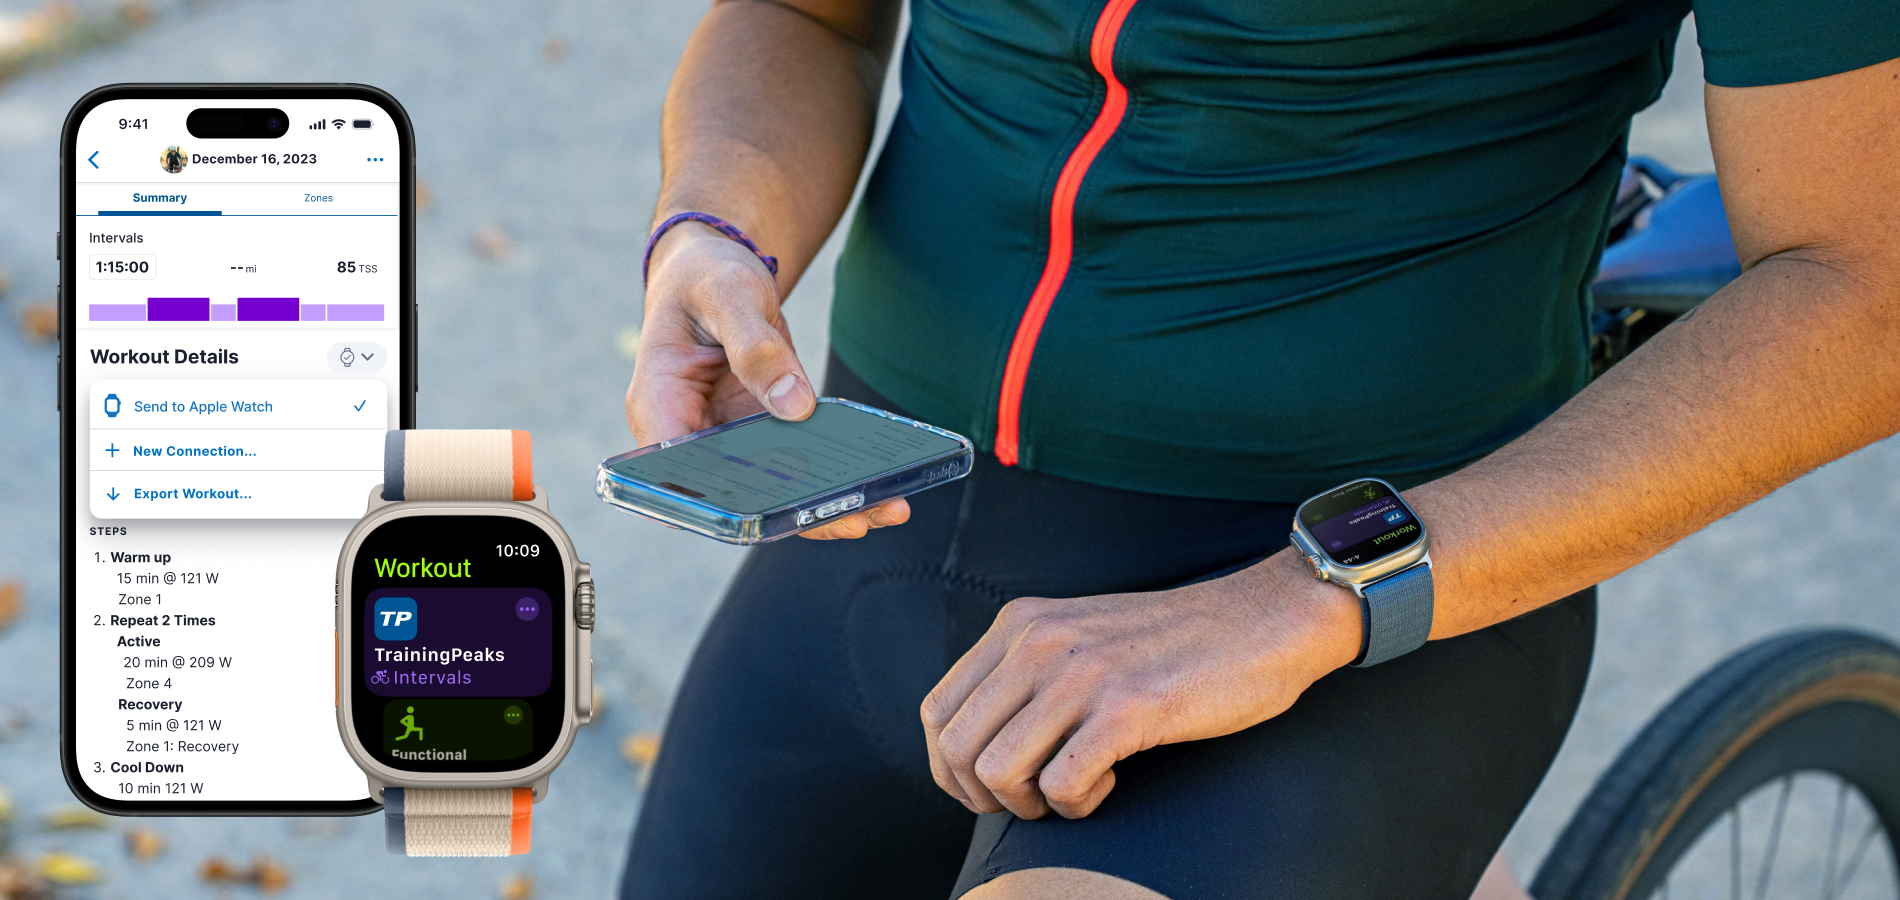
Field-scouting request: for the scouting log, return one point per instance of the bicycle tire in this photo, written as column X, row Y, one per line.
column 1824, row 700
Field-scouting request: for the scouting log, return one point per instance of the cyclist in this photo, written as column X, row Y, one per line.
column 1176, row 266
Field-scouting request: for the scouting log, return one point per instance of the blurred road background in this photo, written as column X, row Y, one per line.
column 537, row 135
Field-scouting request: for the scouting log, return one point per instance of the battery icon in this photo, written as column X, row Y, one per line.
column 359, row 123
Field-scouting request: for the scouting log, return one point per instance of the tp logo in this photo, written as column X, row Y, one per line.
column 395, row 619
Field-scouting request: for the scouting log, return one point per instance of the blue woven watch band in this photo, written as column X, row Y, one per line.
column 1398, row 615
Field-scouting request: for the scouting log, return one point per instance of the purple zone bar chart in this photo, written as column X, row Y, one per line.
column 246, row 309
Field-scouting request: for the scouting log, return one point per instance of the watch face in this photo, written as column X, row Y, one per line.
column 1360, row 524
column 457, row 634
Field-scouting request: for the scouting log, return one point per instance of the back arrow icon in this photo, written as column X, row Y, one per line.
column 112, row 494
column 94, row 155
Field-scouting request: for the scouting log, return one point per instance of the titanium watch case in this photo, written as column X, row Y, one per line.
column 578, row 588
column 1358, row 577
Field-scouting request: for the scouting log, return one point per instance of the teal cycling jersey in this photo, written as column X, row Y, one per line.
column 1244, row 249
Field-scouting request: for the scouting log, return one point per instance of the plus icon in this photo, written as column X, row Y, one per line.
column 113, row 450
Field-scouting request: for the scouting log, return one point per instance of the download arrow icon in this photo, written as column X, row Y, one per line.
column 112, row 494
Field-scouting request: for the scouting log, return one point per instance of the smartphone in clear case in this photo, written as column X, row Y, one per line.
column 761, row 478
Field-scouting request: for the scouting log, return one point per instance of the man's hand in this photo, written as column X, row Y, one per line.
column 715, row 347
column 1036, row 714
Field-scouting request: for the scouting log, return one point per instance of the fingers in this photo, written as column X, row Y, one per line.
column 965, row 740
column 741, row 314
column 858, row 524
column 947, row 698
column 670, row 392
column 966, row 710
column 1010, row 763
column 1080, row 775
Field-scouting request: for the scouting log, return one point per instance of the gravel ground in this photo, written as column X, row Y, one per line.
column 540, row 120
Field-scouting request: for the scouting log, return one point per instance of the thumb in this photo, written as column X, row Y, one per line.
column 761, row 355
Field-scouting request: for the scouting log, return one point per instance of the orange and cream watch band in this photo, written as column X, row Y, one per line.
column 458, row 465
column 458, row 821
column 452, row 464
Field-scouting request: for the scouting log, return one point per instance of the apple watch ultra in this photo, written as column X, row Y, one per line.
column 464, row 628
column 1361, row 535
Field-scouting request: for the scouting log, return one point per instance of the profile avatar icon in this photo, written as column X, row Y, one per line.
column 409, row 726
column 172, row 160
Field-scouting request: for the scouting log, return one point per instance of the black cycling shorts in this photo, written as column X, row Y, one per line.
column 793, row 763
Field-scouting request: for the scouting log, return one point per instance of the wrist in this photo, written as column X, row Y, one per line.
column 680, row 238
column 696, row 227
column 1327, row 616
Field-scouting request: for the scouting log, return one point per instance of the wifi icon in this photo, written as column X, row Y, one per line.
column 336, row 123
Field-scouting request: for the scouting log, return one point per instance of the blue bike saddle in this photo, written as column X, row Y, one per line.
column 1677, row 251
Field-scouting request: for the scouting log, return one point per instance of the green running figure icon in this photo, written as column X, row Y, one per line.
column 409, row 725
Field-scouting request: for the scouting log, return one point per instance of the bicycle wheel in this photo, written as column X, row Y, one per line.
column 1704, row 794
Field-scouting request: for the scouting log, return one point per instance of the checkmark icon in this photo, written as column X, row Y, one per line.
column 359, row 406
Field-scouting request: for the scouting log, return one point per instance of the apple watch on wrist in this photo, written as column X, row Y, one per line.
column 1362, row 536
column 464, row 630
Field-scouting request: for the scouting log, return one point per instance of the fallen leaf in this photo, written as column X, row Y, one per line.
column 65, row 868
column 74, row 817
column 269, row 876
column 263, row 872
column 215, row 869
column 493, row 243
column 423, row 196
column 554, row 50
column 11, row 591
column 19, row 882
column 144, row 844
column 519, row 886
column 628, row 340
column 40, row 322
column 641, row 748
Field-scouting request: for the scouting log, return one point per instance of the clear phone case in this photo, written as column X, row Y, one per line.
column 681, row 511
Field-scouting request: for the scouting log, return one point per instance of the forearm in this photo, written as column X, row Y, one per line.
column 769, row 117
column 1790, row 367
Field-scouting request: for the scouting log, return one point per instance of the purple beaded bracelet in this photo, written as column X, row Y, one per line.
column 724, row 227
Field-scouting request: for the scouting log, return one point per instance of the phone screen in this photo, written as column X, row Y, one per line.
column 769, row 463
column 235, row 313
